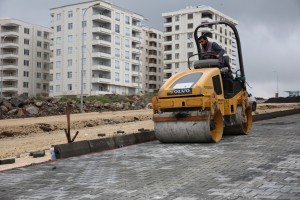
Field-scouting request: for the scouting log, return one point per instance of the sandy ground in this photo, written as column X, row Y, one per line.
column 23, row 136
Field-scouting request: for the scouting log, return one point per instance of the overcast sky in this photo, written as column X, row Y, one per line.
column 269, row 32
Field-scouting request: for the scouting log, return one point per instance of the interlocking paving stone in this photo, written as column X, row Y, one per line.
column 262, row 165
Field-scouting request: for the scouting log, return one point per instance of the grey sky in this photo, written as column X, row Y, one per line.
column 269, row 31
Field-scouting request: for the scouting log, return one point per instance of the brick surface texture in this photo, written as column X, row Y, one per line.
column 262, row 165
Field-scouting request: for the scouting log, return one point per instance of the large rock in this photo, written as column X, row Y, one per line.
column 7, row 105
column 3, row 109
column 38, row 103
column 12, row 112
column 18, row 101
column 31, row 109
column 20, row 112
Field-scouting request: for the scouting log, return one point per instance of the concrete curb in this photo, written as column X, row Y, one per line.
column 98, row 145
column 275, row 114
column 103, row 144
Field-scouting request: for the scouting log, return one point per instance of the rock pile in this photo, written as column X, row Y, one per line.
column 20, row 106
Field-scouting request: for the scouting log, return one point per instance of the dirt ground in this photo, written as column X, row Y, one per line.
column 19, row 137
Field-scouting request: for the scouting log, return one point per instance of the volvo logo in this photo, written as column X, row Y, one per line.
column 181, row 91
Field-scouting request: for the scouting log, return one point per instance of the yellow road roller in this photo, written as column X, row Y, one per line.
column 204, row 102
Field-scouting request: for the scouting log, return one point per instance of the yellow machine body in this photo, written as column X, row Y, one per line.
column 191, row 107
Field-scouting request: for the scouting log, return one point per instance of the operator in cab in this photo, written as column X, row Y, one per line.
column 208, row 46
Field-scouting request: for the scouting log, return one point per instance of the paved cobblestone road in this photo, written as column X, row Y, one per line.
column 263, row 165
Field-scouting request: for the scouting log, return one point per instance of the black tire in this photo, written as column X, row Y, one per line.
column 253, row 106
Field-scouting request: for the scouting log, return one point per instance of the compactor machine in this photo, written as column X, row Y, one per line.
column 203, row 103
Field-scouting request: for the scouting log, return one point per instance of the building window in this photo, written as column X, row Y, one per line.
column 57, row 76
column 70, row 14
column 26, row 74
column 26, row 41
column 176, row 46
column 177, row 28
column 70, row 49
column 58, row 64
column 117, row 40
column 39, row 54
column 70, row 26
column 117, row 78
column 127, row 43
column 176, row 65
column 177, row 37
column 127, row 20
column 117, row 18
column 26, row 62
column 127, row 31
column 117, row 52
column 57, row 88
column 39, row 43
column 127, row 55
column 26, row 30
column 177, row 18
column 190, row 25
column 38, row 75
column 26, row 52
column 190, row 45
column 189, row 35
column 58, row 52
column 69, row 75
column 189, row 54
column 69, row 87
column 127, row 66
column 70, row 38
column 39, row 33
column 117, row 28
column 25, row 84
column 70, row 62
column 176, row 55
column 117, row 64
column 127, row 78
column 58, row 16
column 58, row 28
column 83, row 24
column 58, row 40
column 190, row 16
column 39, row 65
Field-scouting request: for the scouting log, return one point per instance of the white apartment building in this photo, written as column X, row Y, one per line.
column 179, row 40
column 152, row 59
column 109, row 37
column 25, row 58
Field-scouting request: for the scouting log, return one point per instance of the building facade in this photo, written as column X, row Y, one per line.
column 179, row 41
column 25, row 58
column 103, row 40
column 152, row 59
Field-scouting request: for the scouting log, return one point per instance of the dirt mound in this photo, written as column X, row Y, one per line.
column 284, row 100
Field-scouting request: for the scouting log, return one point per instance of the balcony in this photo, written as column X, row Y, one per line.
column 10, row 77
column 10, row 88
column 101, row 18
column 101, row 42
column 10, row 54
column 101, row 55
column 106, row 30
column 98, row 92
column 101, row 68
column 101, row 80
column 7, row 66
